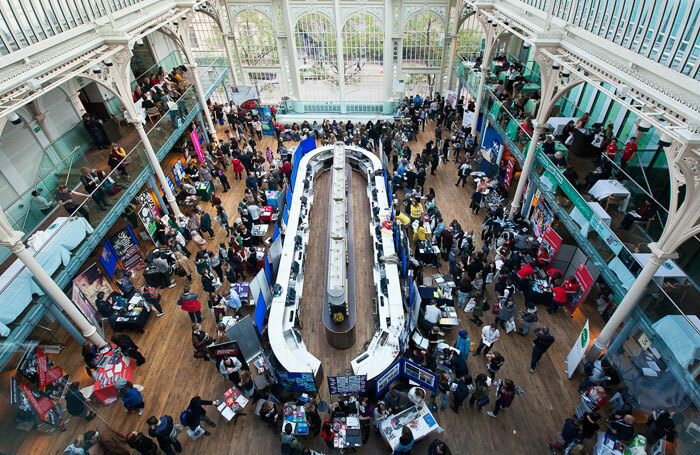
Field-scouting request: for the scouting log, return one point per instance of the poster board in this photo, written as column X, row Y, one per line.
column 347, row 385
column 126, row 247
column 585, row 282
column 179, row 171
column 419, row 374
column 542, row 217
column 308, row 144
column 508, row 179
column 578, row 350
column 260, row 314
column 467, row 119
column 297, row 382
column 246, row 337
column 148, row 212
column 109, row 259
column 387, row 378
column 450, row 98
column 92, row 281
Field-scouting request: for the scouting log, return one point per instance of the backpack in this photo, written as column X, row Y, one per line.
column 588, row 368
column 185, row 417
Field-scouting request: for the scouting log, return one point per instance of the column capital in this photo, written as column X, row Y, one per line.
column 484, row 67
column 659, row 256
column 539, row 126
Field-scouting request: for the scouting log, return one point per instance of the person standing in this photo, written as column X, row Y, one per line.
column 540, row 345
column 41, row 203
column 162, row 430
column 628, row 152
column 92, row 185
column 506, row 394
column 200, row 341
column 234, row 301
column 195, row 414
column 64, row 197
column 463, row 344
column 406, row 441
column 290, row 443
column 495, row 362
column 141, row 443
column 528, row 317
column 489, row 335
column 188, row 302
column 152, row 297
column 461, row 392
column 480, row 395
column 75, row 403
column 478, row 311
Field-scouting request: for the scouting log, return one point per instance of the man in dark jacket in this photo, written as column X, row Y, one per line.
column 161, row 429
column 196, row 413
column 106, row 310
column 543, row 341
column 129, row 348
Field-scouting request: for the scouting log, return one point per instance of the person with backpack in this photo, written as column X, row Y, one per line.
column 290, row 443
column 165, row 432
column 193, row 416
column 596, row 373
column 152, row 297
column 540, row 345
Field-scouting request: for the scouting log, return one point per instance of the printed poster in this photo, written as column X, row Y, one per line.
column 585, row 282
column 126, row 247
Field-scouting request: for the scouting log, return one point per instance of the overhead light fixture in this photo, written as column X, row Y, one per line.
column 622, row 90
column 555, row 66
column 566, row 72
column 643, row 125
column 489, row 20
column 14, row 118
column 175, row 22
column 108, row 62
column 665, row 140
column 96, row 69
column 183, row 17
column 139, row 42
column 34, row 84
column 196, row 8
column 494, row 25
column 526, row 45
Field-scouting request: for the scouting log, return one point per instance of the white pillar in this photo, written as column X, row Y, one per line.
column 229, row 57
column 629, row 302
column 479, row 96
column 527, row 166
column 451, row 64
column 388, row 57
column 192, row 66
column 155, row 164
column 47, row 284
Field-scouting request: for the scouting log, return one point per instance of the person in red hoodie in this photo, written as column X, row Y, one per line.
column 558, row 299
column 189, row 303
column 327, row 433
column 628, row 152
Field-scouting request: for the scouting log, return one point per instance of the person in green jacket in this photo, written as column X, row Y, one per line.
column 205, row 223
column 290, row 443
column 478, row 311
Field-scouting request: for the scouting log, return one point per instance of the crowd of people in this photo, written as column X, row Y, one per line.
column 488, row 268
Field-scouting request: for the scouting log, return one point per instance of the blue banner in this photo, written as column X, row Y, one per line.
column 276, row 232
column 419, row 374
column 109, row 258
column 260, row 313
column 308, row 144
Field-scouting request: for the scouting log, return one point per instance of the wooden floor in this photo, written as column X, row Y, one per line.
column 171, row 376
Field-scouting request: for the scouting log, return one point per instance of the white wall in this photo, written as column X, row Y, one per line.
column 161, row 45
column 60, row 113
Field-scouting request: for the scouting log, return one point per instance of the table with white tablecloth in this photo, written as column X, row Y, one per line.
column 604, row 188
column 668, row 269
column 54, row 246
column 585, row 224
column 681, row 338
column 558, row 123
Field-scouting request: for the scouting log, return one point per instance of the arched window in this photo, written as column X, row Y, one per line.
column 363, row 53
column 469, row 37
column 423, row 40
column 255, row 38
column 317, row 57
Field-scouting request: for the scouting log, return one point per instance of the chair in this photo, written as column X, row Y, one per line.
column 613, row 200
column 121, row 118
column 647, row 222
column 153, row 112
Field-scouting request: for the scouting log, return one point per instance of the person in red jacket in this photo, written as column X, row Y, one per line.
column 558, row 299
column 611, row 150
column 188, row 301
column 571, row 287
column 628, row 152
column 327, row 433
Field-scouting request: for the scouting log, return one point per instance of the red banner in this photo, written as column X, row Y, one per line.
column 47, row 375
column 42, row 406
column 509, row 174
column 553, row 241
column 197, row 146
column 585, row 282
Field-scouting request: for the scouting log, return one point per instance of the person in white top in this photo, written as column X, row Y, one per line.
column 431, row 315
column 254, row 211
column 417, row 396
column 489, row 335
column 229, row 367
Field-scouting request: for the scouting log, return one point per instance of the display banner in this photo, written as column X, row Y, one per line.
column 347, row 385
column 551, row 241
column 508, row 179
column 297, row 382
column 419, row 374
column 197, row 145
column 387, row 378
column 585, row 282
column 48, row 374
column 109, row 259
column 126, row 247
column 450, row 98
column 578, row 350
column 178, row 172
column 148, row 212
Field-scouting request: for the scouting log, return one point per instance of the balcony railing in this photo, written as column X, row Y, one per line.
column 162, row 137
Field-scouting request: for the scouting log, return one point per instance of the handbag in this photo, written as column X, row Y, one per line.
column 569, row 140
column 482, row 402
column 470, row 306
column 196, row 434
column 177, row 429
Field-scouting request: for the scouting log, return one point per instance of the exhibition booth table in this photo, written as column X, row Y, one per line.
column 605, row 188
column 231, row 404
column 420, row 421
column 112, row 367
column 132, row 315
column 296, row 416
column 347, row 432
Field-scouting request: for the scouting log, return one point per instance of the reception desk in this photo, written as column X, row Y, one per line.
column 283, row 326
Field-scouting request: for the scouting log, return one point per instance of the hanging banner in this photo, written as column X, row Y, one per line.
column 541, row 217
column 467, row 119
column 585, row 282
column 196, row 144
column 109, row 259
column 347, row 385
column 578, row 350
column 126, row 247
column 551, row 241
column 88, row 284
column 48, row 374
column 508, row 179
column 450, row 98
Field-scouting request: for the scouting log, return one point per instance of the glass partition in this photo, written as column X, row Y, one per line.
column 171, row 61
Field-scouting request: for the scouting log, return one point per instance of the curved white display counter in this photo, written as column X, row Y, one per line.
column 285, row 339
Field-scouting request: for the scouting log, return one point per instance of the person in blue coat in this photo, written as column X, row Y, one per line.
column 463, row 344
column 132, row 399
column 405, row 441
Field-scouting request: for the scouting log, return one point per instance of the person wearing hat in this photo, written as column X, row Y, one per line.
column 463, row 343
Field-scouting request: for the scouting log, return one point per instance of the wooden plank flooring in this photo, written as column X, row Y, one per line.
column 172, row 376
